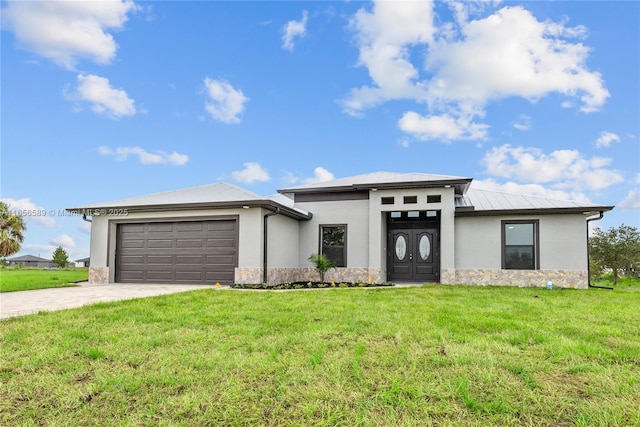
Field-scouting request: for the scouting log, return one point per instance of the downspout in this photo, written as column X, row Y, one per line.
column 589, row 255
column 264, row 242
column 84, row 217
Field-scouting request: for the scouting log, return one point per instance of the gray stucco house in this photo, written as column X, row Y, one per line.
column 376, row 227
column 31, row 261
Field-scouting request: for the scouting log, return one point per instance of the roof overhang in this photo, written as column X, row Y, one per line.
column 587, row 211
column 95, row 210
column 460, row 186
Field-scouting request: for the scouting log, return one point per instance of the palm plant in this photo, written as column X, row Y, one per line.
column 11, row 231
column 321, row 263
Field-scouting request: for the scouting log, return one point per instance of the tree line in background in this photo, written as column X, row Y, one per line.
column 616, row 250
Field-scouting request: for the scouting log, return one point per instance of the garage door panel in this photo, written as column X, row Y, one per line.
column 132, row 228
column 159, row 259
column 221, row 226
column 189, row 243
column 160, row 227
column 189, row 259
column 133, row 243
column 221, row 243
column 159, row 275
column 177, row 252
column 160, row 243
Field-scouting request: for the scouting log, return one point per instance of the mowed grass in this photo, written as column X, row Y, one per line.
column 24, row 279
column 433, row 355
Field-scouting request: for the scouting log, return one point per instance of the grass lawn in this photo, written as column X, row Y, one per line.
column 433, row 355
column 24, row 279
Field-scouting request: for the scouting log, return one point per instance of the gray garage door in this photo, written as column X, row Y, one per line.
column 177, row 252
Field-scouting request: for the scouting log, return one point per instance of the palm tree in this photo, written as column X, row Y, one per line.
column 322, row 264
column 11, row 231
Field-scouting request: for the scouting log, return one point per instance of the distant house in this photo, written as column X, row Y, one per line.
column 84, row 262
column 30, row 261
column 378, row 227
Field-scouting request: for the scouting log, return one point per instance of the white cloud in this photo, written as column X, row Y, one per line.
column 67, row 31
column 320, row 174
column 606, row 138
column 632, row 201
column 467, row 64
column 104, row 99
column 560, row 168
column 443, row 127
column 63, row 240
column 384, row 36
column 529, row 190
column 293, row 29
column 225, row 103
column 511, row 53
column 251, row 173
column 522, row 123
column 145, row 157
column 31, row 212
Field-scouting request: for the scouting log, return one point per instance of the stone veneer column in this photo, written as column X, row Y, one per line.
column 98, row 275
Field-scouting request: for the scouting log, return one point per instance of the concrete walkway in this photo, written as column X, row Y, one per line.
column 28, row 302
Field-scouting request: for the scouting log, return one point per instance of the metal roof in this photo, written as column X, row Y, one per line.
column 488, row 202
column 383, row 180
column 218, row 195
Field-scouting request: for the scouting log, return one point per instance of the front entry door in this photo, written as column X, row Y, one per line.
column 414, row 255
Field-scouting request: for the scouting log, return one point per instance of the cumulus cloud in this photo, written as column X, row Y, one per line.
column 251, row 173
column 560, row 169
column 294, row 29
column 67, row 31
column 145, row 157
column 467, row 64
column 224, row 103
column 31, row 212
column 632, row 201
column 104, row 99
column 384, row 36
column 320, row 174
column 443, row 127
column 38, row 249
column 63, row 240
column 606, row 138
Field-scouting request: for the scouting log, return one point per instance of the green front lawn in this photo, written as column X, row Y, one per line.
column 433, row 355
column 24, row 279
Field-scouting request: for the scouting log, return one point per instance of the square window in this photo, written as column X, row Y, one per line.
column 387, row 200
column 410, row 200
column 434, row 199
column 520, row 245
column 333, row 243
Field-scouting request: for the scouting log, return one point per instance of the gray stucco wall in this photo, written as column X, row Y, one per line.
column 563, row 244
column 353, row 213
column 282, row 249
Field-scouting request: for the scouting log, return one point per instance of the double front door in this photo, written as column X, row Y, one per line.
column 414, row 255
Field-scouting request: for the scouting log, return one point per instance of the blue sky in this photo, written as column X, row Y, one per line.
column 106, row 100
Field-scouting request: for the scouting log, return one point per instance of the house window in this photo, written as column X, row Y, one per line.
column 387, row 200
column 333, row 243
column 410, row 200
column 520, row 245
column 434, row 199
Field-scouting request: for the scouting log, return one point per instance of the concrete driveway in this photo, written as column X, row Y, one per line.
column 28, row 302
